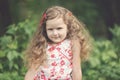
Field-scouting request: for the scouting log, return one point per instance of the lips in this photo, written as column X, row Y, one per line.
column 55, row 37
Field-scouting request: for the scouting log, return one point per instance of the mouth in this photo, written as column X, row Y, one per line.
column 55, row 37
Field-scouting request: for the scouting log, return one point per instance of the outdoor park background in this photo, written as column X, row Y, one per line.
column 19, row 19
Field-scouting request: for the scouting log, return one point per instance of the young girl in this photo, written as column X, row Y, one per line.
column 59, row 45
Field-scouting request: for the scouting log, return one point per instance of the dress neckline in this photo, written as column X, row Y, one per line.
column 52, row 44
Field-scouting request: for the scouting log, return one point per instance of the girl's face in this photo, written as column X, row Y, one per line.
column 56, row 30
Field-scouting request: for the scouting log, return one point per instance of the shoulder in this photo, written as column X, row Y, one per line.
column 76, row 44
column 76, row 48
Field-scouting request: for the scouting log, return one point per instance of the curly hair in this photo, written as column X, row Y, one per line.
column 36, row 52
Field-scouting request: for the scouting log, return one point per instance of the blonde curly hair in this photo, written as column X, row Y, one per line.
column 36, row 52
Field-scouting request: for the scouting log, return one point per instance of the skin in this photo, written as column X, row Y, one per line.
column 31, row 73
column 77, row 72
column 57, row 31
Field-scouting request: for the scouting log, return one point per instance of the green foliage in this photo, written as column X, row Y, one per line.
column 12, row 45
column 116, row 38
column 104, row 63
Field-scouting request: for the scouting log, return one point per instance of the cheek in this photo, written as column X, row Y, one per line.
column 49, row 33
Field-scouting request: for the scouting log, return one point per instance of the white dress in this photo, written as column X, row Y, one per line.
column 59, row 61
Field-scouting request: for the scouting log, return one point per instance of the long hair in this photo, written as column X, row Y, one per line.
column 36, row 52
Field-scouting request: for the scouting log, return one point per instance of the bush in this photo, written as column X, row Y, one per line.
column 103, row 64
column 12, row 45
column 116, row 38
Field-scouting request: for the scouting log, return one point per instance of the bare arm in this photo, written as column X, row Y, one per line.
column 31, row 73
column 77, row 73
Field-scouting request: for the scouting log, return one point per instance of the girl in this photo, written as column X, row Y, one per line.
column 59, row 45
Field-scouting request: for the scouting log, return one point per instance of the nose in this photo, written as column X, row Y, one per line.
column 55, row 32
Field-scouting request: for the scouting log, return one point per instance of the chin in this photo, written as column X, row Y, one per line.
column 56, row 41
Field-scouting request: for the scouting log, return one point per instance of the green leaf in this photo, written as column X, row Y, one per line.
column 5, row 40
column 12, row 29
column 13, row 45
column 1, row 66
column 12, row 55
column 2, row 54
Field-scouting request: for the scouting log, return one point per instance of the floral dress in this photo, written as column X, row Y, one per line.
column 59, row 63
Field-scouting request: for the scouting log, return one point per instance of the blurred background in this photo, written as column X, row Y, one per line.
column 19, row 19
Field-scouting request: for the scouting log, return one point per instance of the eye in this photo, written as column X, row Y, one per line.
column 59, row 28
column 50, row 29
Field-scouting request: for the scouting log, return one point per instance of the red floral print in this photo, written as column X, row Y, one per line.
column 62, row 63
column 59, row 63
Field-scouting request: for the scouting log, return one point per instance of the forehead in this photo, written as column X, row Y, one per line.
column 55, row 22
